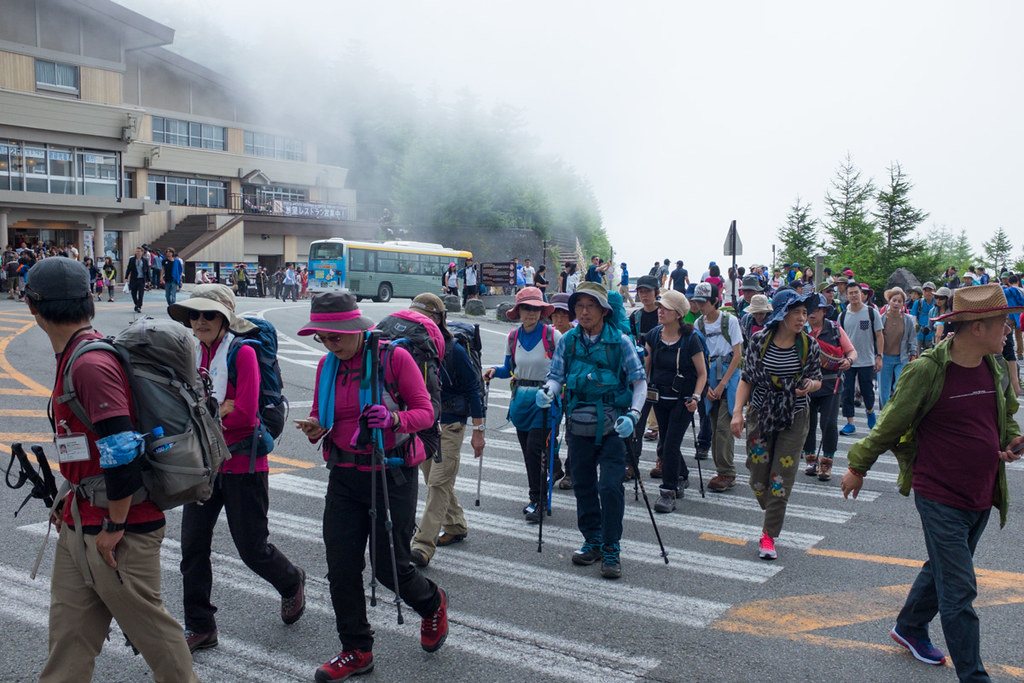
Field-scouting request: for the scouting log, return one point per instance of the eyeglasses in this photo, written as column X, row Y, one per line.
column 207, row 315
column 329, row 338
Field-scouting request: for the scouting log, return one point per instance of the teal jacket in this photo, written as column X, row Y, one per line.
column 918, row 390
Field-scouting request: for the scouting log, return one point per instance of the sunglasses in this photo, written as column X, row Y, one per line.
column 206, row 315
column 531, row 309
column 328, row 338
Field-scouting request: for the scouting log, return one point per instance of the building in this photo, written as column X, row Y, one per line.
column 108, row 138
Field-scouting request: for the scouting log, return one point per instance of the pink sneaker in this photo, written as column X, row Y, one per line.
column 767, row 548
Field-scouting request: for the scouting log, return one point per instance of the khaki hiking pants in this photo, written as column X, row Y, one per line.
column 442, row 510
column 773, row 470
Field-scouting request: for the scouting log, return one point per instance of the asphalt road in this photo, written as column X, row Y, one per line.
column 822, row 611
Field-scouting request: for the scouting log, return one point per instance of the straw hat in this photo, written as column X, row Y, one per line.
column 335, row 312
column 675, row 301
column 895, row 290
column 531, row 296
column 979, row 302
column 211, row 297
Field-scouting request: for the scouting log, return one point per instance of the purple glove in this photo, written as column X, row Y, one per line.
column 378, row 417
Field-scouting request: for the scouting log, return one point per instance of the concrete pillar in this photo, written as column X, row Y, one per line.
column 4, row 239
column 97, row 239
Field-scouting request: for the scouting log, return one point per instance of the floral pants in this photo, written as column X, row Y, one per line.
column 773, row 467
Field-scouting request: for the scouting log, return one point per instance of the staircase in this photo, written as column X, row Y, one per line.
column 187, row 231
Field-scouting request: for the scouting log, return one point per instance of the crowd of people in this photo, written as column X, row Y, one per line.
column 770, row 365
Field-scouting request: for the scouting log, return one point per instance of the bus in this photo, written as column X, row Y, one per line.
column 379, row 270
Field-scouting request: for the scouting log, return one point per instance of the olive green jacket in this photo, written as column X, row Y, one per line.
column 918, row 390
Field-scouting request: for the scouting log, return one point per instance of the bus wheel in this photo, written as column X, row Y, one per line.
column 383, row 293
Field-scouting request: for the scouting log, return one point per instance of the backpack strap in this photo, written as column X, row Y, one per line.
column 548, row 337
column 514, row 337
column 70, row 396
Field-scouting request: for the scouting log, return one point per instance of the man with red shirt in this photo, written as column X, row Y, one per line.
column 107, row 562
column 951, row 426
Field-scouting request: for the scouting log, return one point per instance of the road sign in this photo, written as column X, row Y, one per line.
column 733, row 245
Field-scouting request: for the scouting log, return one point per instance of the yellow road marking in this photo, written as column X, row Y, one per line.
column 880, row 559
column 32, row 388
column 722, row 539
column 9, row 329
column 18, row 412
column 34, row 437
column 288, row 461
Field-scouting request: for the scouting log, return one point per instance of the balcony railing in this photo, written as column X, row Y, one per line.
column 266, row 206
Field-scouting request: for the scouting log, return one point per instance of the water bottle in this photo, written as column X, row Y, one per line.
column 158, row 433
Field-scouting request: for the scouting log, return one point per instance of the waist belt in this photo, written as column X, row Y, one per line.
column 337, row 456
column 530, row 382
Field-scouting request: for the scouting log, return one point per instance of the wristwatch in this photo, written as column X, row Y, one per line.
column 110, row 526
column 479, row 428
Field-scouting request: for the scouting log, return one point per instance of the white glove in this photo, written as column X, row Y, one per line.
column 624, row 424
column 544, row 397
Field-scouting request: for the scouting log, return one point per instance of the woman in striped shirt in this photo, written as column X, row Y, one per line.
column 781, row 367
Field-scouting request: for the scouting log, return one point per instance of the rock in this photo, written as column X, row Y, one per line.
column 502, row 310
column 475, row 307
column 904, row 279
column 452, row 303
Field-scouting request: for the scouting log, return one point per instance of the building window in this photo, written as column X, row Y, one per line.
column 129, row 184
column 274, row 146
column 188, row 133
column 56, row 77
column 188, row 191
column 282, row 194
column 58, row 170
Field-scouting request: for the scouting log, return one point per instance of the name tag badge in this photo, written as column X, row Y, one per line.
column 72, row 448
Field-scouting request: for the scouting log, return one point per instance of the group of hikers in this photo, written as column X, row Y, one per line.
column 389, row 408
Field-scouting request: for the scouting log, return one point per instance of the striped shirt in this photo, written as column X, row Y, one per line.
column 782, row 363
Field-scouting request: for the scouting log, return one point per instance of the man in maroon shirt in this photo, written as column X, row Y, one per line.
column 107, row 562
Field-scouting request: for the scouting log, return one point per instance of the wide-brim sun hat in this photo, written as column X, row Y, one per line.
column 530, row 296
column 895, row 290
column 211, row 297
column 786, row 299
column 335, row 312
column 592, row 289
column 675, row 301
column 944, row 291
column 751, row 283
column 561, row 302
column 759, row 303
column 979, row 302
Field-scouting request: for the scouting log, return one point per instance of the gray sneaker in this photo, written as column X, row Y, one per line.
column 666, row 502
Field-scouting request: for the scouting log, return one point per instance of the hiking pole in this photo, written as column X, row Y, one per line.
column 700, row 472
column 635, row 457
column 480, row 460
column 552, row 456
column 378, row 453
column 542, row 503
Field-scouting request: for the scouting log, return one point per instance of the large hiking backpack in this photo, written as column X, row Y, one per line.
column 468, row 336
column 273, row 406
column 421, row 337
column 159, row 360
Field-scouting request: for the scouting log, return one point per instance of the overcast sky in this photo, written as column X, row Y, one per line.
column 684, row 116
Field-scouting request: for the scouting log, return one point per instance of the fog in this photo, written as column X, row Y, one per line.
column 685, row 116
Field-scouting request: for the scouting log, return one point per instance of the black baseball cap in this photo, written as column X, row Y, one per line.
column 57, row 279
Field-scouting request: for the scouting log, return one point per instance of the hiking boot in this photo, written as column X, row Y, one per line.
column 610, row 567
column 656, row 470
column 651, row 435
column 445, row 538
column 566, row 482
column 921, row 648
column 293, row 607
column 718, row 483
column 812, row 464
column 200, row 641
column 588, row 554
column 702, row 453
column 666, row 502
column 825, row 469
column 347, row 663
column 766, row 549
column 871, row 420
column 630, row 473
column 848, row 429
column 684, row 483
column 434, row 629
column 418, row 558
column 531, row 513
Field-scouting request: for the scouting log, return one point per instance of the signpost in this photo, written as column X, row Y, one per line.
column 733, row 247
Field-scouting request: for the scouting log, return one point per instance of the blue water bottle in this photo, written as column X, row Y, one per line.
column 158, row 433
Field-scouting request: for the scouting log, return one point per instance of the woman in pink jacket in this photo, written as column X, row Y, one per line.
column 340, row 400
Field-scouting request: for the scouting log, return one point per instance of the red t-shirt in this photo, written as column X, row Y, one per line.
column 102, row 388
column 958, row 441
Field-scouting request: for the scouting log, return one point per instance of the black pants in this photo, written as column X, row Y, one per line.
column 534, row 443
column 828, row 407
column 346, row 530
column 277, row 289
column 138, row 289
column 468, row 291
column 246, row 499
column 673, row 419
column 704, row 434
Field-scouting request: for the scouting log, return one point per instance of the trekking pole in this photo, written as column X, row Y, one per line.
column 480, row 463
column 552, row 456
column 542, row 503
column 378, row 453
column 635, row 457
column 700, row 472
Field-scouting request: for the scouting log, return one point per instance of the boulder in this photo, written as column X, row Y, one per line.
column 904, row 279
column 502, row 310
column 452, row 303
column 475, row 307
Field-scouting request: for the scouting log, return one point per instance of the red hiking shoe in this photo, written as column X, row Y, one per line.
column 434, row 629
column 347, row 663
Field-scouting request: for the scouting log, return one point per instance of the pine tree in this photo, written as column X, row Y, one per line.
column 897, row 221
column 997, row 252
column 851, row 239
column 799, row 235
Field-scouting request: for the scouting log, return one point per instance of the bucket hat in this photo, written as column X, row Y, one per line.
column 531, row 296
column 786, row 299
column 976, row 303
column 675, row 301
column 751, row 283
column 561, row 302
column 759, row 304
column 211, row 297
column 825, row 286
column 335, row 312
column 591, row 289
column 943, row 291
column 929, row 285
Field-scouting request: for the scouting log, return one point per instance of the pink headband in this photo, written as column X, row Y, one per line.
column 339, row 317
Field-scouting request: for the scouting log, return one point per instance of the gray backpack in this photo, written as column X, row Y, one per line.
column 159, row 359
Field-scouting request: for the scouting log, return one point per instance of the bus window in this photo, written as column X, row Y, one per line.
column 357, row 259
column 387, row 262
column 326, row 251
